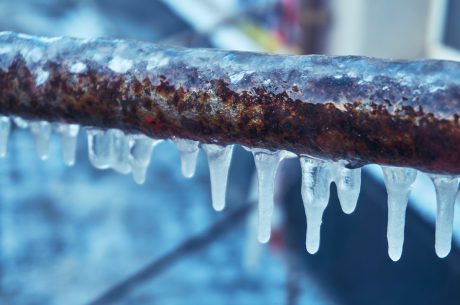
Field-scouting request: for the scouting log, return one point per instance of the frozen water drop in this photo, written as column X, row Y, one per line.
column 20, row 122
column 188, row 150
column 316, row 179
column 42, row 133
column 348, row 182
column 398, row 181
column 139, row 159
column 69, row 134
column 5, row 126
column 266, row 164
column 219, row 158
column 446, row 192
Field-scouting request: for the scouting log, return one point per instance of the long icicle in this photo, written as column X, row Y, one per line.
column 316, row 179
column 266, row 165
column 446, row 191
column 398, row 182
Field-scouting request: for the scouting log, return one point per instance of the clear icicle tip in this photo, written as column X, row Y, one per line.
column 316, row 179
column 188, row 150
column 219, row 158
column 446, row 192
column 398, row 182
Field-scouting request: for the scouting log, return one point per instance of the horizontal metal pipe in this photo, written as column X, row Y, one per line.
column 363, row 110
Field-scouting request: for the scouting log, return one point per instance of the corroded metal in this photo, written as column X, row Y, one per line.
column 401, row 113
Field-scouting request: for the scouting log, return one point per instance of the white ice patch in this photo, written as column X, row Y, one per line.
column 78, row 67
column 41, row 131
column 188, row 150
column 398, row 181
column 120, row 65
column 446, row 192
column 219, row 158
column 157, row 61
column 41, row 76
column 5, row 126
column 316, row 179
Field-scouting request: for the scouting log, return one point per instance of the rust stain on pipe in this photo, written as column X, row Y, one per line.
column 400, row 113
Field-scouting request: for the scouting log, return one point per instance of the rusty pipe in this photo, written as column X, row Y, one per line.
column 363, row 110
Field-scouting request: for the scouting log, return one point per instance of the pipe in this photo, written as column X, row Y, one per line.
column 363, row 110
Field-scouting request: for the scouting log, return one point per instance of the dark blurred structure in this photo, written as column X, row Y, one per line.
column 82, row 236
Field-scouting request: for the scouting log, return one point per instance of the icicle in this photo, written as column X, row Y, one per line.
column 266, row 164
column 5, row 126
column 42, row 132
column 348, row 183
column 188, row 150
column 446, row 191
column 398, row 182
column 119, row 151
column 69, row 134
column 20, row 122
column 316, row 179
column 139, row 159
column 98, row 148
column 219, row 158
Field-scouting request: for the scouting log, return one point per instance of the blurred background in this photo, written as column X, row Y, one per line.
column 84, row 236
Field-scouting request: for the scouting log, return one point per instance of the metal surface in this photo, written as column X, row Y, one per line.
column 401, row 113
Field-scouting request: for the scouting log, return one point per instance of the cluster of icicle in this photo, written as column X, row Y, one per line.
column 131, row 154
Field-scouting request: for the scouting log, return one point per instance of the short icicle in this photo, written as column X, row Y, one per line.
column 5, row 126
column 446, row 192
column 119, row 150
column 98, row 148
column 398, row 181
column 266, row 164
column 219, row 158
column 69, row 135
column 139, row 158
column 316, row 180
column 188, row 150
column 41, row 131
column 348, row 182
